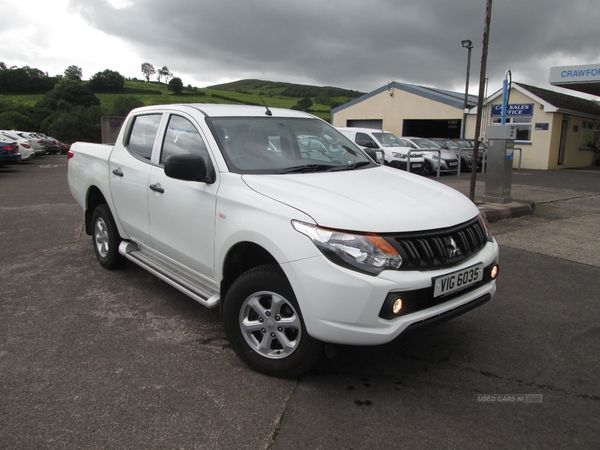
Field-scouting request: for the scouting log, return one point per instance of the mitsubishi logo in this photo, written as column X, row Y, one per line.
column 452, row 249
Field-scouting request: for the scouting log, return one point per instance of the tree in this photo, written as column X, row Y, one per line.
column 74, row 123
column 73, row 73
column 14, row 120
column 125, row 103
column 71, row 92
column 25, row 80
column 70, row 112
column 107, row 81
column 303, row 105
column 164, row 72
column 175, row 85
column 148, row 70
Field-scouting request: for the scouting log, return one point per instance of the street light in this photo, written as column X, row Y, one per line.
column 468, row 45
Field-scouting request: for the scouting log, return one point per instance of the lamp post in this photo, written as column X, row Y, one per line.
column 468, row 45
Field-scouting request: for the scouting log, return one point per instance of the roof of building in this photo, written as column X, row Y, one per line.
column 455, row 99
column 561, row 102
column 552, row 100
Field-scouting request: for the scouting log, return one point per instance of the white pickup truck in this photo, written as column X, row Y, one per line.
column 299, row 247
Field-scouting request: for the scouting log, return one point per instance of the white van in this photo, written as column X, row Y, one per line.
column 396, row 150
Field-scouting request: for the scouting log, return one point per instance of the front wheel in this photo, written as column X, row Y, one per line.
column 106, row 239
column 264, row 325
column 428, row 168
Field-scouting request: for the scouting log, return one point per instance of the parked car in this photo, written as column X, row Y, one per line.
column 24, row 148
column 448, row 162
column 54, row 146
column 314, row 147
column 371, row 149
column 469, row 144
column 466, row 157
column 395, row 149
column 9, row 153
column 37, row 143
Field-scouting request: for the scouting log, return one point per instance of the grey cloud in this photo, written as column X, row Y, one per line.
column 354, row 44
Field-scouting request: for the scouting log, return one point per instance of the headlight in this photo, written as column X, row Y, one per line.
column 399, row 155
column 486, row 227
column 368, row 253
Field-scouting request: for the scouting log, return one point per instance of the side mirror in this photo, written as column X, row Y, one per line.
column 376, row 155
column 187, row 168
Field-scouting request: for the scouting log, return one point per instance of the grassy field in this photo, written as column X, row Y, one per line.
column 154, row 93
column 16, row 99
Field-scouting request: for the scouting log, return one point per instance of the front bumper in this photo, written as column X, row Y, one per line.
column 416, row 166
column 344, row 307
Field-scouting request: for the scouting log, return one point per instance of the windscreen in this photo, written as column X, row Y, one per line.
column 389, row 140
column 272, row 145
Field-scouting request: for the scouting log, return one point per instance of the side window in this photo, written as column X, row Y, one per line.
column 364, row 140
column 143, row 132
column 182, row 138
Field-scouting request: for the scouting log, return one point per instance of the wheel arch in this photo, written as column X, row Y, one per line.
column 94, row 198
column 240, row 258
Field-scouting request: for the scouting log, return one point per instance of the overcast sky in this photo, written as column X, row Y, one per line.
column 354, row 44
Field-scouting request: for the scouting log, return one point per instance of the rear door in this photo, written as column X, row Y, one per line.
column 129, row 171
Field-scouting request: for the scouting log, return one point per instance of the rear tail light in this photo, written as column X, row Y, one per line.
column 26, row 145
column 70, row 154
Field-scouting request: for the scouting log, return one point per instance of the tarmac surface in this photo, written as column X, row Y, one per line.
column 97, row 359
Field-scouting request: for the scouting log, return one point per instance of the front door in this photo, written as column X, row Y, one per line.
column 182, row 213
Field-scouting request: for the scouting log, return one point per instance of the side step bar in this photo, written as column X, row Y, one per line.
column 178, row 279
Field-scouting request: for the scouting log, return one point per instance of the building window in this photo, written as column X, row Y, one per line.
column 590, row 134
column 523, row 126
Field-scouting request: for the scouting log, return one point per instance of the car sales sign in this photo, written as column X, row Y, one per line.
column 514, row 109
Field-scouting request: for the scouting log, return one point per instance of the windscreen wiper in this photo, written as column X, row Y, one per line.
column 305, row 168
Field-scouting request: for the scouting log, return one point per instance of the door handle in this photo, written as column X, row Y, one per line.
column 118, row 172
column 157, row 188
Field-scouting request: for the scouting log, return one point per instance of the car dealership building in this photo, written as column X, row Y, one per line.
column 554, row 130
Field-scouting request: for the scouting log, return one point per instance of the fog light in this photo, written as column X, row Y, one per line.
column 397, row 306
column 494, row 271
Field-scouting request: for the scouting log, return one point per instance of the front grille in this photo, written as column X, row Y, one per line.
column 439, row 248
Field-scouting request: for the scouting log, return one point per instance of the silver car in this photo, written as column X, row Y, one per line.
column 447, row 161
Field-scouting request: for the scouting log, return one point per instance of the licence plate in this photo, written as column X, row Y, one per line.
column 416, row 166
column 453, row 164
column 458, row 280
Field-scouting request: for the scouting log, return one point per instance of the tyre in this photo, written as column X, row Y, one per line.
column 427, row 168
column 106, row 239
column 264, row 324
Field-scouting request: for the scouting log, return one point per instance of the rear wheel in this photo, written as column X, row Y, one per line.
column 106, row 239
column 264, row 325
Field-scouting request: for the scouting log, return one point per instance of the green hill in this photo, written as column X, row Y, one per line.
column 248, row 92
column 275, row 95
column 18, row 108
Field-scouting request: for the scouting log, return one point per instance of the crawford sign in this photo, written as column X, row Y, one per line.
column 575, row 74
column 514, row 109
